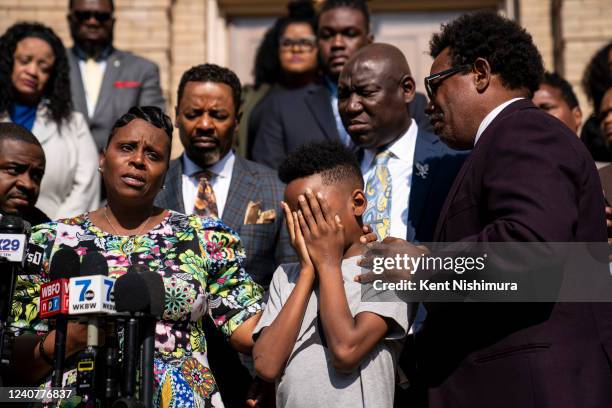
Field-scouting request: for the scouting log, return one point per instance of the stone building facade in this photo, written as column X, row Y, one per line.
column 177, row 34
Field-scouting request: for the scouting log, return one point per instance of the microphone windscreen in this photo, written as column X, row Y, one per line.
column 131, row 293
column 94, row 263
column 64, row 264
column 157, row 293
column 34, row 259
column 12, row 223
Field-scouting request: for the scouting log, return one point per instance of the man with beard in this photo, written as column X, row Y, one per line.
column 210, row 180
column 22, row 166
column 105, row 81
column 528, row 178
column 310, row 114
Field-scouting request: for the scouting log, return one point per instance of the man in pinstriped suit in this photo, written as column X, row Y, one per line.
column 245, row 195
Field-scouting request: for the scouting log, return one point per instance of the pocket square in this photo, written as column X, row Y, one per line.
column 254, row 214
column 127, row 84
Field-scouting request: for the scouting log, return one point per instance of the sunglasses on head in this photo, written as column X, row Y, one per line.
column 100, row 16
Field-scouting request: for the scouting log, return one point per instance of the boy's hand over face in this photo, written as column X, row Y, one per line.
column 323, row 231
column 297, row 239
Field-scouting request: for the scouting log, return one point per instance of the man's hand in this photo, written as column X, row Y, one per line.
column 390, row 247
column 323, row 231
column 368, row 234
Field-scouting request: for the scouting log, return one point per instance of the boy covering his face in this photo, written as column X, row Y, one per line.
column 316, row 333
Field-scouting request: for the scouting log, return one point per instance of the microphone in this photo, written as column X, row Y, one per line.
column 94, row 274
column 13, row 237
column 34, row 260
column 157, row 299
column 53, row 299
column 131, row 295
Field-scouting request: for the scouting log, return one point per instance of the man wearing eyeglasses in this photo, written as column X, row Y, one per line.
column 307, row 115
column 105, row 81
column 528, row 178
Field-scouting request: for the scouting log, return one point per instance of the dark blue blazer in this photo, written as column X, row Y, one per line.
column 435, row 166
column 291, row 118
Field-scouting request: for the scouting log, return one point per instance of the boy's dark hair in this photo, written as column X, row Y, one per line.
column 507, row 47
column 150, row 114
column 12, row 131
column 335, row 162
column 212, row 73
column 359, row 5
column 557, row 81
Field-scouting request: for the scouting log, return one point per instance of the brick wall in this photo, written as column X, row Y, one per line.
column 173, row 32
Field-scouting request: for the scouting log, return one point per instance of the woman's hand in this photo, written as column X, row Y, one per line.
column 297, row 239
column 323, row 231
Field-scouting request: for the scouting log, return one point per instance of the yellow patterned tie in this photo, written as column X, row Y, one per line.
column 93, row 80
column 378, row 193
column 205, row 203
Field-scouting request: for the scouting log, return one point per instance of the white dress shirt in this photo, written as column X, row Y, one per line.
column 400, row 167
column 490, row 117
column 91, row 108
column 220, row 181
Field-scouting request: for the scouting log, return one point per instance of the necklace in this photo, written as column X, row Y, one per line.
column 129, row 246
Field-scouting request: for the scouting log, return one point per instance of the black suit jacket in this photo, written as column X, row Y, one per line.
column 527, row 179
column 291, row 118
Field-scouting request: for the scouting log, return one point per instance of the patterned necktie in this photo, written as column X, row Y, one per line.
column 378, row 193
column 93, row 80
column 205, row 203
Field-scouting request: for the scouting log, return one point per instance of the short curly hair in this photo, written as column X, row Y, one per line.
column 598, row 76
column 150, row 114
column 212, row 73
column 267, row 68
column 507, row 47
column 56, row 94
column 557, row 81
column 334, row 161
column 359, row 5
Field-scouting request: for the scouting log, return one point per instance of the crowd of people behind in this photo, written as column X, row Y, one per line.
column 258, row 227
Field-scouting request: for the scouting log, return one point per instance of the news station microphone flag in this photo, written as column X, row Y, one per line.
column 54, row 299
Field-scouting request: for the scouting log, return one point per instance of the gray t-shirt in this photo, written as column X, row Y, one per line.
column 309, row 379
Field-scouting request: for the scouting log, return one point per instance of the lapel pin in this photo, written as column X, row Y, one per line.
column 116, row 63
column 422, row 170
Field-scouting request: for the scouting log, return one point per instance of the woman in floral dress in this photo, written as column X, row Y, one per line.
column 199, row 259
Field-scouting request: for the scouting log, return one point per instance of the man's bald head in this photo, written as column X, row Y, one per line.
column 374, row 91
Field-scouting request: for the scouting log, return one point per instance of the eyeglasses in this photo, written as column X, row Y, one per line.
column 302, row 44
column 100, row 16
column 432, row 82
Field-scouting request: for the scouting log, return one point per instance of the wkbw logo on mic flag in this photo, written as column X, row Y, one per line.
column 92, row 294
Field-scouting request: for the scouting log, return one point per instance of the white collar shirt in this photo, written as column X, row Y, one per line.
column 220, row 181
column 491, row 117
column 400, row 166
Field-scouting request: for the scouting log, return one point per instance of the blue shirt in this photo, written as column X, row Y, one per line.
column 23, row 115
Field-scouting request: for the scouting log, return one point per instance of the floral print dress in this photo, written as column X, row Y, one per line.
column 200, row 261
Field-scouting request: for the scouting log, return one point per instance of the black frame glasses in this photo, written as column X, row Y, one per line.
column 303, row 44
column 84, row 15
column 431, row 86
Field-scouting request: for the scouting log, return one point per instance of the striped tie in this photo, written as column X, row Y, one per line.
column 378, row 193
column 205, row 203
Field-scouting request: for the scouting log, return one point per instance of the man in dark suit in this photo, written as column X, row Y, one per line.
column 106, row 82
column 209, row 179
column 310, row 114
column 527, row 179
